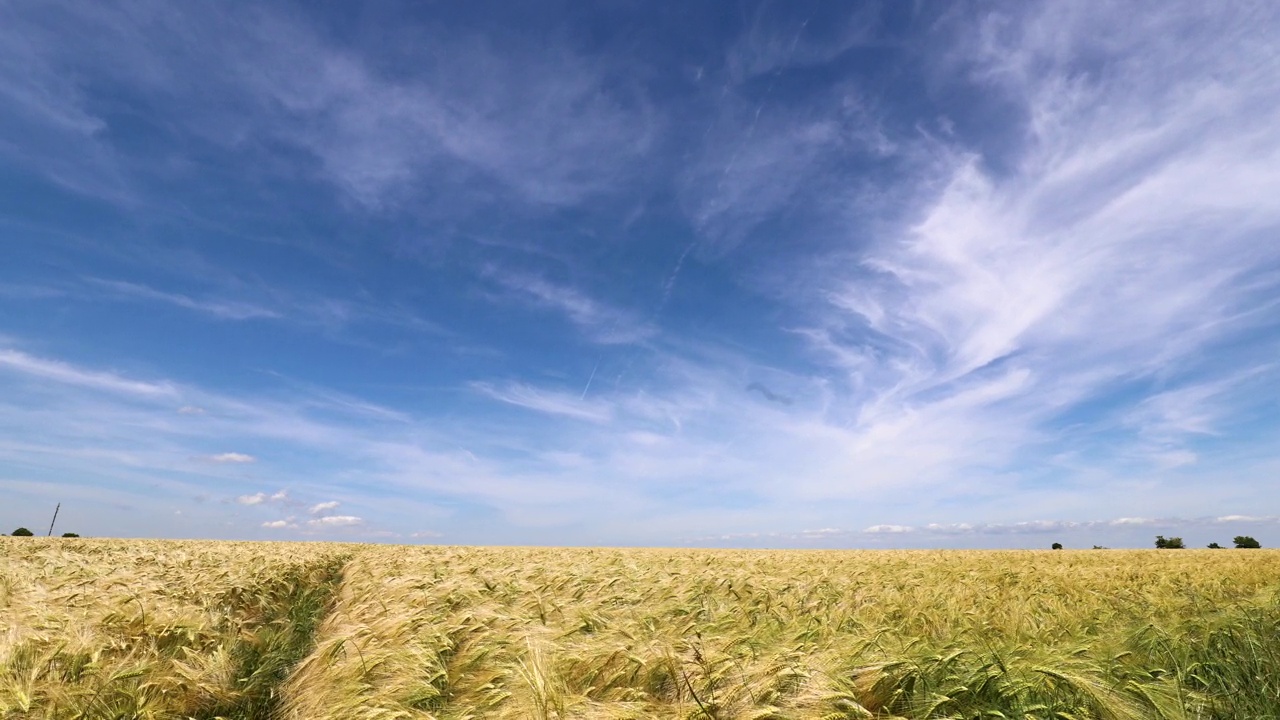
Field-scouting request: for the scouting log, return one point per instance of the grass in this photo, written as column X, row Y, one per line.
column 317, row 631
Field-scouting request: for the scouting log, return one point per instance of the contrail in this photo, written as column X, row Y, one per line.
column 671, row 279
column 589, row 379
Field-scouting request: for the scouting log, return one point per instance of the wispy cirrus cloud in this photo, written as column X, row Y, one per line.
column 1042, row 287
column 224, row 309
column 546, row 401
column 489, row 114
column 48, row 108
column 61, row 372
column 1096, row 258
column 652, row 447
column 780, row 38
column 597, row 320
column 331, row 315
column 475, row 113
column 27, row 291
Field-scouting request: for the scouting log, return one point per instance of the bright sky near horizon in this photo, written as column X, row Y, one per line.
column 692, row 273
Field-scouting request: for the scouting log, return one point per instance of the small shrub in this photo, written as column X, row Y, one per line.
column 1056, row 546
column 1215, row 546
column 22, row 532
column 1242, row 541
column 70, row 535
column 1173, row 543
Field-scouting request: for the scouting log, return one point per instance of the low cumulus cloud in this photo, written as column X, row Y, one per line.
column 335, row 521
column 1027, row 527
column 888, row 529
column 232, row 458
column 320, row 508
column 1034, row 527
column 261, row 498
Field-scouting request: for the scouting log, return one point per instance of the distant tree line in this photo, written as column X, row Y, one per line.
column 1175, row 543
column 23, row 532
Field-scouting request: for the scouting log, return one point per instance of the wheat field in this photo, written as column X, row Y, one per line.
column 115, row 629
column 155, row 629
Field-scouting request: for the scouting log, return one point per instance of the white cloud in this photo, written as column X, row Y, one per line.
column 276, row 524
column 949, row 528
column 323, row 507
column 191, row 410
column 260, row 498
column 874, row 529
column 232, row 458
column 335, row 521
column 1033, row 527
column 425, row 534
column 822, row 532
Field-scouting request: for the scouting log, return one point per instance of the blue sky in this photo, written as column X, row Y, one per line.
column 745, row 274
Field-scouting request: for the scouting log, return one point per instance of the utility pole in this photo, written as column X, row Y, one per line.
column 54, row 520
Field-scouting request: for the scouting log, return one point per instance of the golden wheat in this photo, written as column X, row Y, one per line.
column 110, row 629
column 549, row 633
column 115, row 629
